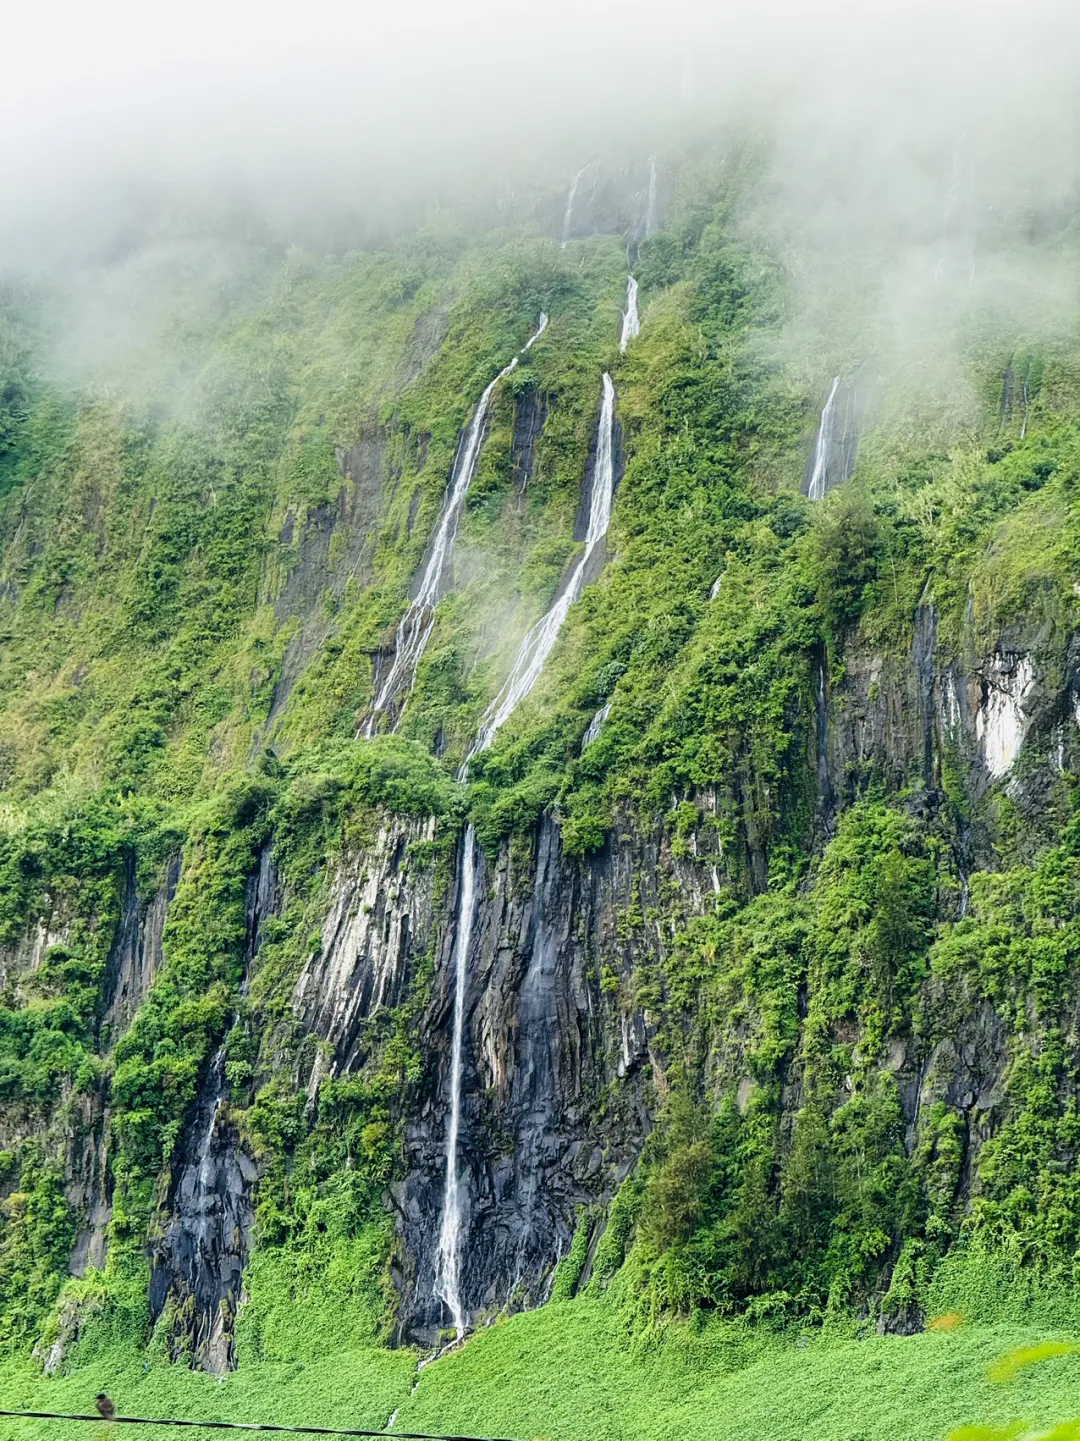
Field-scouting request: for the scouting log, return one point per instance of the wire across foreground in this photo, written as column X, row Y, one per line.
column 239, row 1426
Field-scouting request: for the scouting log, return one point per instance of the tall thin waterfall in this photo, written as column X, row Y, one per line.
column 535, row 649
column 448, row 1259
column 568, row 214
column 824, row 445
column 538, row 644
column 631, row 324
column 837, row 442
column 650, row 206
column 415, row 627
column 958, row 226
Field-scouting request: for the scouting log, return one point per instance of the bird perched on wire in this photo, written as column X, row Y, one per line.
column 105, row 1406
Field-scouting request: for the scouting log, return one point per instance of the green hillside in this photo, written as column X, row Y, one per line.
column 768, row 1048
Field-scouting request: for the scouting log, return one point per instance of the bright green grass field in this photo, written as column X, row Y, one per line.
column 566, row 1372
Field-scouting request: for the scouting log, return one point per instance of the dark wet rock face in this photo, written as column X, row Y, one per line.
column 541, row 1043
column 197, row 1266
column 377, row 925
column 204, row 1228
column 530, row 413
column 136, row 952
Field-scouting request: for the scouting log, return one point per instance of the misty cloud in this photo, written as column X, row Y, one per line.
column 347, row 103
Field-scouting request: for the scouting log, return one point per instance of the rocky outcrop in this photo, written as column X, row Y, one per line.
column 530, row 413
column 379, row 920
column 543, row 1041
column 561, row 1071
column 203, row 1231
column 197, row 1265
column 51, row 928
column 136, row 951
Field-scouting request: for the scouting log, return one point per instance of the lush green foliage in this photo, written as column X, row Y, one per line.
column 205, row 551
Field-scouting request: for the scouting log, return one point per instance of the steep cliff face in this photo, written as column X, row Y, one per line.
column 775, row 873
column 562, row 1075
column 201, row 1237
column 136, row 952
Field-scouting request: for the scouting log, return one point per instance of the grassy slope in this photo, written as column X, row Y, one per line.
column 567, row 1371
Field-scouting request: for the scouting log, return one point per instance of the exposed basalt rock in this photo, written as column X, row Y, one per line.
column 542, row 1042
column 203, row 1238
column 622, row 200
column 1006, row 687
column 197, row 1265
column 530, row 413
column 51, row 928
column 379, row 920
column 89, row 1188
column 561, row 1074
column 136, row 951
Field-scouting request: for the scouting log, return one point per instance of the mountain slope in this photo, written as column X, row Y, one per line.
column 769, row 882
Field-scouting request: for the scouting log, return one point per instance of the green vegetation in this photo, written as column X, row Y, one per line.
column 863, row 1091
column 571, row 1369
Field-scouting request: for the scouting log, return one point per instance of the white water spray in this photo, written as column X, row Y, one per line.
column 823, row 449
column 650, row 207
column 538, row 644
column 415, row 627
column 568, row 214
column 596, row 725
column 631, row 324
column 448, row 1259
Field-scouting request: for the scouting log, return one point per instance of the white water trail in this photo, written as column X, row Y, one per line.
column 650, row 207
column 535, row 649
column 568, row 214
column 631, row 323
column 823, row 449
column 448, row 1258
column 596, row 725
column 414, row 629
column 538, row 644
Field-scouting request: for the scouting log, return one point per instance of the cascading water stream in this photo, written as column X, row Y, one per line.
column 538, row 644
column 534, row 651
column 823, row 447
column 596, row 725
column 568, row 214
column 650, row 207
column 837, row 441
column 448, row 1258
column 631, row 323
column 415, row 627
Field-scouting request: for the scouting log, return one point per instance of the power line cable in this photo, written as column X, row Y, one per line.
column 238, row 1426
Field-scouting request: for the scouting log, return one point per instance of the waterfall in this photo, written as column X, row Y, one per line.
column 631, row 324
column 837, row 442
column 538, row 644
column 198, row 1259
column 958, row 225
column 595, row 725
column 534, row 651
column 416, row 625
column 824, row 445
column 568, row 214
column 447, row 1264
column 650, row 207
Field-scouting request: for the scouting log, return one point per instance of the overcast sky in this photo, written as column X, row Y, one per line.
column 319, row 97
